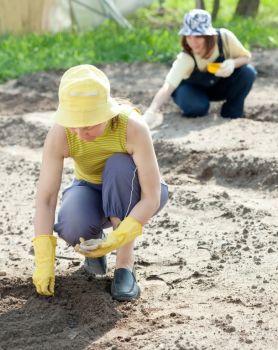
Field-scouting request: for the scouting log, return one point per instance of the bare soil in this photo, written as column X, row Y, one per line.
column 207, row 264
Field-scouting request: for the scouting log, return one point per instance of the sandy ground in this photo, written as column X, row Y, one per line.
column 207, row 264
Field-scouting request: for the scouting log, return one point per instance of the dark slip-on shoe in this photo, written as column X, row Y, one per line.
column 124, row 286
column 96, row 266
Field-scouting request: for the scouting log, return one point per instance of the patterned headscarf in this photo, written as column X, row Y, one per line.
column 197, row 22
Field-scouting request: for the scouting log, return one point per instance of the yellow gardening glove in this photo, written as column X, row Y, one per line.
column 44, row 277
column 126, row 232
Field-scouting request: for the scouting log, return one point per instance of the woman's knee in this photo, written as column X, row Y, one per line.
column 191, row 100
column 120, row 171
column 247, row 74
column 117, row 162
column 72, row 230
column 196, row 109
column 121, row 188
column 81, row 215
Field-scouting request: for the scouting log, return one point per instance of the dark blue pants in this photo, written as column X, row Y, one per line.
column 194, row 99
column 86, row 207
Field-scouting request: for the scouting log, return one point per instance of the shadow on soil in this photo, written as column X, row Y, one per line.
column 81, row 312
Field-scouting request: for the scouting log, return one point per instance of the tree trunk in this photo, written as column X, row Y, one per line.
column 215, row 9
column 247, row 8
column 200, row 4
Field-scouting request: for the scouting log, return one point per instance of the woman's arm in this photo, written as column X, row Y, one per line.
column 240, row 61
column 152, row 116
column 181, row 69
column 140, row 146
column 161, row 97
column 55, row 149
column 234, row 49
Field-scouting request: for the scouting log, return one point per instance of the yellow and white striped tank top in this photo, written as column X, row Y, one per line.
column 90, row 156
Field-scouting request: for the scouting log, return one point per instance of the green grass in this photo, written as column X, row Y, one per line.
column 153, row 38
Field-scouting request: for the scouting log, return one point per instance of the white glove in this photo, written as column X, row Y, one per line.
column 90, row 244
column 226, row 69
column 153, row 119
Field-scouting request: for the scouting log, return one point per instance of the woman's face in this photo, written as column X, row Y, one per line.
column 196, row 43
column 89, row 133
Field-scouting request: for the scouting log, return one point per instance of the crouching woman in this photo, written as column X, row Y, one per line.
column 117, row 181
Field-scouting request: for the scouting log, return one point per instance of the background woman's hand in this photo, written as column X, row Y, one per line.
column 227, row 68
column 153, row 119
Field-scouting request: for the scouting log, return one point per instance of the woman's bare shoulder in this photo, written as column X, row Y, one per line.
column 137, row 131
column 136, row 122
column 56, row 140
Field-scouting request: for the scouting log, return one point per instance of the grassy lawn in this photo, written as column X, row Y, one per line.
column 153, row 39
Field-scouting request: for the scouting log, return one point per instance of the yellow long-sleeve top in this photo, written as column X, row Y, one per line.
column 90, row 156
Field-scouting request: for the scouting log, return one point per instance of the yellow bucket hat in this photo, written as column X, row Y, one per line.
column 84, row 98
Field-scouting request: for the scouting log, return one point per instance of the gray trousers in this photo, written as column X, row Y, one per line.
column 86, row 207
